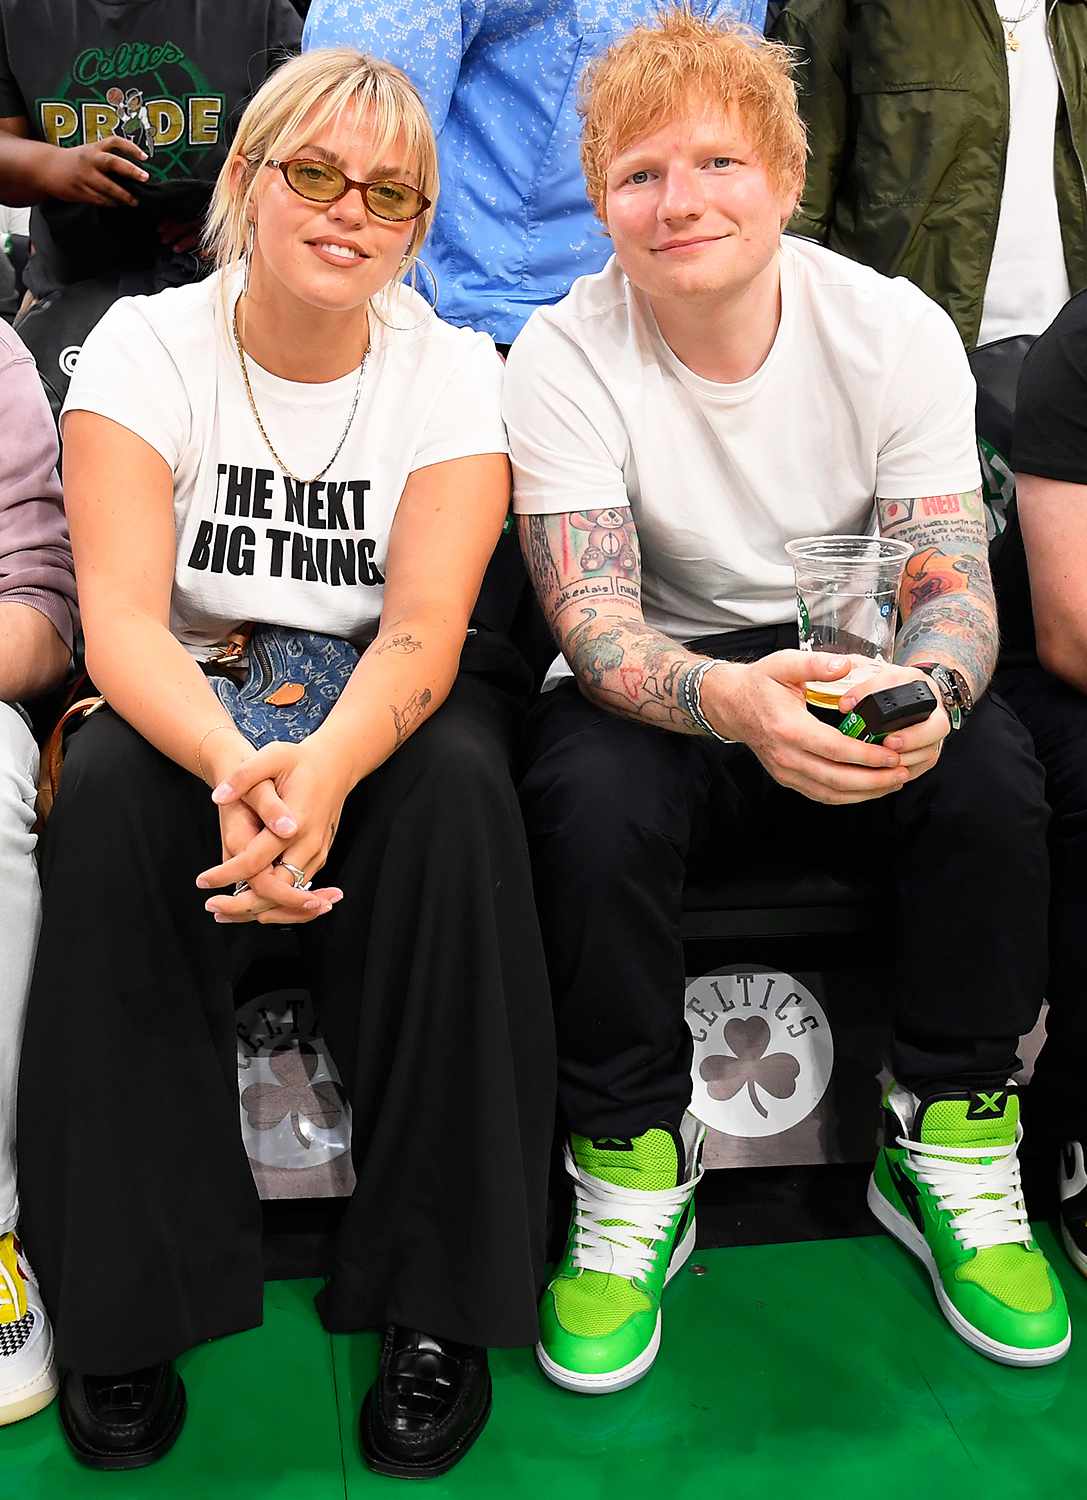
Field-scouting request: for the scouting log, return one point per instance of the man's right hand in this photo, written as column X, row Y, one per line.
column 762, row 705
column 86, row 174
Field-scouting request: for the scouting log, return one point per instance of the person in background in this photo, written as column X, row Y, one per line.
column 499, row 79
column 14, row 228
column 9, row 293
column 1043, row 674
column 37, row 627
column 715, row 391
column 75, row 77
column 948, row 144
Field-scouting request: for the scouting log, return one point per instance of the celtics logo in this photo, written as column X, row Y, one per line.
column 294, row 1112
column 149, row 93
column 763, row 1051
column 803, row 619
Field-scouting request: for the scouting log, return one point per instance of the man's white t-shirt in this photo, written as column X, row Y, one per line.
column 1028, row 282
column 251, row 544
column 865, row 391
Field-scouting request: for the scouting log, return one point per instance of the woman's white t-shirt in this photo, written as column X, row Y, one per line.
column 252, row 545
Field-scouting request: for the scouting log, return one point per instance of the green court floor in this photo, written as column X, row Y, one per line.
column 814, row 1370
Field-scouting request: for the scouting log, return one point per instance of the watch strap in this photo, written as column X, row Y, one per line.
column 953, row 688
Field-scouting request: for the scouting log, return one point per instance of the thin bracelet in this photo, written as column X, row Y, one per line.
column 692, row 693
column 701, row 717
column 688, row 693
column 687, row 699
column 696, row 695
column 206, row 736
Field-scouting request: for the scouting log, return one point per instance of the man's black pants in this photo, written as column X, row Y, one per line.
column 137, row 1203
column 1056, row 716
column 614, row 810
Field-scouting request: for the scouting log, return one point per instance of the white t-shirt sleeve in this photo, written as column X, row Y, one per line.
column 568, row 441
column 928, row 443
column 124, row 372
column 466, row 418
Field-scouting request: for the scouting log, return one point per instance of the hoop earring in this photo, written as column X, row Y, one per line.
column 410, row 265
column 247, row 255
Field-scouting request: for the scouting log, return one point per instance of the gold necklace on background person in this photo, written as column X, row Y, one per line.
column 1009, row 23
column 256, row 414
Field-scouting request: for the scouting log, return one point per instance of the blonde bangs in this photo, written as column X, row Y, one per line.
column 299, row 101
column 656, row 73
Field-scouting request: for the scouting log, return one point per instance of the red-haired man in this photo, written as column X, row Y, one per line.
column 722, row 390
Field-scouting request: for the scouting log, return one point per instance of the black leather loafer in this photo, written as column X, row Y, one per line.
column 122, row 1421
column 430, row 1402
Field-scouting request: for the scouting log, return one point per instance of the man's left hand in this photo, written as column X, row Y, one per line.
column 919, row 746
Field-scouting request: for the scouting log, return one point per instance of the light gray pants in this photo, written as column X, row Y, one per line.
column 20, row 912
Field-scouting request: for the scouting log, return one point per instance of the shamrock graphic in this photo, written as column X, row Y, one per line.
column 295, row 1094
column 749, row 1038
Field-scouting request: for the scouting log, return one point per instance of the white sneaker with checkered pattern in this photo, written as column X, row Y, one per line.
column 27, row 1378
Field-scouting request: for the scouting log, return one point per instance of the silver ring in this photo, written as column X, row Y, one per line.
column 299, row 882
column 240, row 887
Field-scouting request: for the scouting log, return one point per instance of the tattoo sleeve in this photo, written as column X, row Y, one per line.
column 586, row 569
column 947, row 612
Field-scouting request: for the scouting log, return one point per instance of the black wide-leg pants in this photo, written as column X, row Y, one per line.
column 614, row 810
column 1056, row 716
column 138, row 1206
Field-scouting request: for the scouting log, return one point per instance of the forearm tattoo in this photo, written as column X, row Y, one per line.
column 403, row 645
column 586, row 569
column 947, row 612
column 407, row 718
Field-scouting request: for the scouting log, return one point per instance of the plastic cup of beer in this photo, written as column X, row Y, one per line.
column 847, row 605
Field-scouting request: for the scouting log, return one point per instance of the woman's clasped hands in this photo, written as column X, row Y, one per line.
column 278, row 812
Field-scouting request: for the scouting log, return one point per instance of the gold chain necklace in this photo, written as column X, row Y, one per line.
column 256, row 414
column 1009, row 23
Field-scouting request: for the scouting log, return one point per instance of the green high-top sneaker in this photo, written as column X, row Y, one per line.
column 631, row 1230
column 946, row 1184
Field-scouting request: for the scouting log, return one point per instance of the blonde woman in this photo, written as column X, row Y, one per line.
column 296, row 442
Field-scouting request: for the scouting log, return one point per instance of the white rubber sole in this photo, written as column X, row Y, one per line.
column 618, row 1380
column 31, row 1397
column 907, row 1234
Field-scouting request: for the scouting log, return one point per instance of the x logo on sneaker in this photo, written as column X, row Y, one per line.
column 986, row 1104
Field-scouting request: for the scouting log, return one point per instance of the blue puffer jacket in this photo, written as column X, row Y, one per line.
column 499, row 77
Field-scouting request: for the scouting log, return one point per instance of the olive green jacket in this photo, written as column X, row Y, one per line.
column 907, row 104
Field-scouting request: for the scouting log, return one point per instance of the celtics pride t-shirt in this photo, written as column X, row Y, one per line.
column 252, row 543
column 170, row 75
